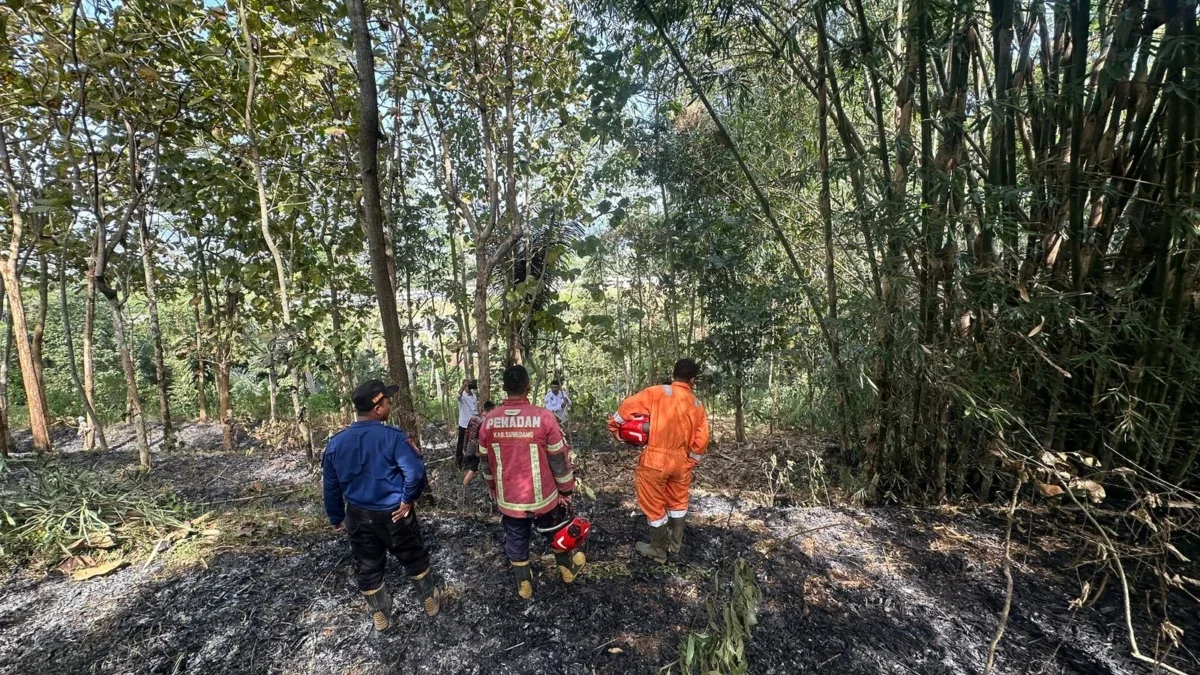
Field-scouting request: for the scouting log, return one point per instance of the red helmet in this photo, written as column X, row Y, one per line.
column 572, row 536
column 634, row 431
column 569, row 530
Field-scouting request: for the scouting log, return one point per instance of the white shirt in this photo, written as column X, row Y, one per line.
column 557, row 403
column 467, row 403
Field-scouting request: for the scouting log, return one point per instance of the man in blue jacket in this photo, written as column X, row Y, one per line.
column 373, row 476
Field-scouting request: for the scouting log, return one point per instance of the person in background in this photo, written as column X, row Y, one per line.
column 529, row 475
column 557, row 401
column 468, row 405
column 471, row 458
column 373, row 475
column 678, row 439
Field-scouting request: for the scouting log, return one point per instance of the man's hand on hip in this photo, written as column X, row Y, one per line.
column 402, row 512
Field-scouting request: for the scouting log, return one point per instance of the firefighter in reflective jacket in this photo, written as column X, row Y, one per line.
column 678, row 438
column 527, row 466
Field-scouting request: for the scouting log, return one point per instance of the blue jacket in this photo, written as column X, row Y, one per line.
column 372, row 466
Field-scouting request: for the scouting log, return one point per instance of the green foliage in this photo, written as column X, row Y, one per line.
column 721, row 647
column 59, row 512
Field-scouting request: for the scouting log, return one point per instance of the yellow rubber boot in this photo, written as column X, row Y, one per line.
column 570, row 565
column 524, row 577
column 380, row 603
column 429, row 586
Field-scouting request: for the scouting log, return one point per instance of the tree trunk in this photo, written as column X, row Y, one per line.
column 94, row 426
column 224, row 409
column 5, row 440
column 201, row 394
column 412, row 327
column 368, row 157
column 221, row 327
column 39, row 325
column 160, row 366
column 302, row 427
column 482, row 330
column 461, row 313
column 89, row 347
column 739, row 408
column 272, row 385
column 339, row 349
column 39, row 421
column 826, row 210
column 127, row 368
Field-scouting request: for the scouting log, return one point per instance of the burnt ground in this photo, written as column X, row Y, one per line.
column 844, row 589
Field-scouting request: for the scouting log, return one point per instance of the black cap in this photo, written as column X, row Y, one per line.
column 369, row 393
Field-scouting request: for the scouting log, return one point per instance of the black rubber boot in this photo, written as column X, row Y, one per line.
column 430, row 587
column 524, row 578
column 380, row 603
column 656, row 550
column 570, row 564
column 675, row 540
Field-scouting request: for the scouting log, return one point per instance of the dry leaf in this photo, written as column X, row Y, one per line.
column 1049, row 490
column 1094, row 490
column 1174, row 633
column 71, row 564
column 1172, row 549
column 97, row 570
column 1077, row 603
column 1037, row 329
column 246, row 530
column 1141, row 515
column 102, row 541
column 198, row 520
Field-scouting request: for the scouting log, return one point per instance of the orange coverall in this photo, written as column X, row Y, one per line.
column 678, row 439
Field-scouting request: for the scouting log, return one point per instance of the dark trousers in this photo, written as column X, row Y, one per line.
column 519, row 531
column 460, row 449
column 373, row 535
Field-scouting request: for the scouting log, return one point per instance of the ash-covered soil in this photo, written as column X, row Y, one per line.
column 844, row 589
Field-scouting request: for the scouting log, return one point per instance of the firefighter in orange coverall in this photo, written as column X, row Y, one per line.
column 527, row 465
column 678, row 438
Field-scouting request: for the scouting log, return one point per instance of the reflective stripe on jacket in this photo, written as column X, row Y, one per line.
column 528, row 460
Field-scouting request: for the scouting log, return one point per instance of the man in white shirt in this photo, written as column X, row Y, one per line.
column 557, row 401
column 468, row 403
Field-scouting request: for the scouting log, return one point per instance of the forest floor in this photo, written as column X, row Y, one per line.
column 845, row 589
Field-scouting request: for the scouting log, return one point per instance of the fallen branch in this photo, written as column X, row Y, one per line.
column 773, row 546
column 154, row 553
column 1008, row 584
column 1134, row 651
column 246, row 499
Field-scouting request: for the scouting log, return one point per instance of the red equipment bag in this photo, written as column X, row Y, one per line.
column 635, row 431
